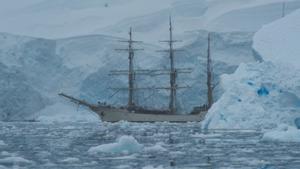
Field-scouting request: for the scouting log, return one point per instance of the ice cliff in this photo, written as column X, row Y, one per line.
column 34, row 70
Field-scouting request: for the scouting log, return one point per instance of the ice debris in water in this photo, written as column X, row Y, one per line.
column 283, row 133
column 156, row 148
column 151, row 167
column 14, row 160
column 2, row 143
column 125, row 144
column 70, row 160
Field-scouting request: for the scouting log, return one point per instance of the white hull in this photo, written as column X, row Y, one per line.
column 115, row 115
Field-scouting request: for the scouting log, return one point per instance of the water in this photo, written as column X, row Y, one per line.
column 66, row 146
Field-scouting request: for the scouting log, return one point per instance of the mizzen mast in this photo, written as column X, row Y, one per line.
column 209, row 74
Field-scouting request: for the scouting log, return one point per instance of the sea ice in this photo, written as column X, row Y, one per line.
column 2, row 167
column 156, row 148
column 14, row 160
column 70, row 160
column 283, row 133
column 2, row 143
column 152, row 167
column 125, row 144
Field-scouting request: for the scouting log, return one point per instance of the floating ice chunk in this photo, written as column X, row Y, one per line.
column 2, row 143
column 152, row 167
column 125, row 144
column 5, row 153
column 156, row 148
column 70, row 160
column 201, row 135
column 124, row 167
column 2, row 167
column 284, row 134
column 14, row 160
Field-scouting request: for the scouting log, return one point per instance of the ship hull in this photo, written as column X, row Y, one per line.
column 115, row 115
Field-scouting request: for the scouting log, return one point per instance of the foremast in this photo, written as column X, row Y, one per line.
column 173, row 70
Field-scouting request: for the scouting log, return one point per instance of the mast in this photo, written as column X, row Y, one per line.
column 209, row 74
column 173, row 74
column 130, row 72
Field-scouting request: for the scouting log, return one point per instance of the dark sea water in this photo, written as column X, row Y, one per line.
column 66, row 145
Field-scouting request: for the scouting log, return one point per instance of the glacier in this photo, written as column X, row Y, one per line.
column 38, row 69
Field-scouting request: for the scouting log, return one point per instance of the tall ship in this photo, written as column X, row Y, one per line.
column 135, row 113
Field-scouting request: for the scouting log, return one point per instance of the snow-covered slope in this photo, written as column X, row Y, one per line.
column 65, row 18
column 282, row 37
column 265, row 95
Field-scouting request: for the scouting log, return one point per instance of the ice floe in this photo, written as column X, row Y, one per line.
column 283, row 133
column 158, row 147
column 124, row 144
column 2, row 143
column 14, row 160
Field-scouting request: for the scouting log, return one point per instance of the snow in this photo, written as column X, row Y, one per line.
column 63, row 18
column 283, row 134
column 278, row 41
column 124, row 144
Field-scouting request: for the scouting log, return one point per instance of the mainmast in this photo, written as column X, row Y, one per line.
column 173, row 71
column 173, row 74
column 209, row 74
column 130, row 72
